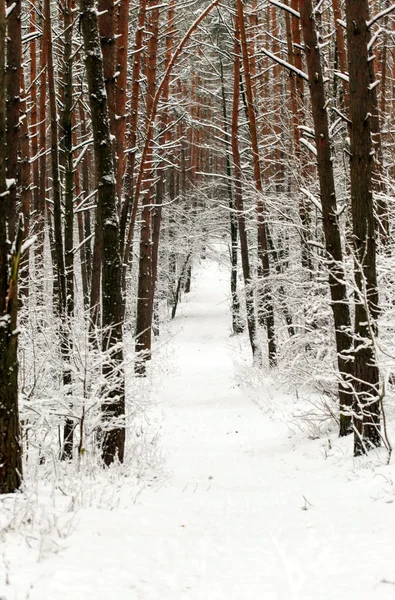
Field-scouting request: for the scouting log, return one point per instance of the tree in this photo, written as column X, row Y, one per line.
column 366, row 385
column 10, row 434
column 337, row 279
column 114, row 391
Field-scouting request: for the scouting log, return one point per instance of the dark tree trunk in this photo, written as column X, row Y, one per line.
column 65, row 303
column 127, row 242
column 114, row 390
column 188, row 279
column 33, row 115
column 41, row 208
column 121, row 60
column 67, row 131
column 14, row 80
column 238, row 197
column 340, row 306
column 179, row 285
column 263, row 248
column 146, row 281
column 10, row 442
column 366, row 407
column 237, row 325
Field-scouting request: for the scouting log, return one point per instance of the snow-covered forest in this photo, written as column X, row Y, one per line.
column 197, row 299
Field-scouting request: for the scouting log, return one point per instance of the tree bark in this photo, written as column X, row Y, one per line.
column 67, row 131
column 13, row 101
column 113, row 406
column 263, row 248
column 238, row 197
column 10, row 438
column 337, row 283
column 146, row 275
column 366, row 385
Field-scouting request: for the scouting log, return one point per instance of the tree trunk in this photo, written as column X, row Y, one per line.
column 13, row 100
column 67, row 131
column 10, row 442
column 337, row 283
column 146, row 275
column 237, row 325
column 263, row 249
column 238, row 197
column 131, row 201
column 114, row 390
column 366, row 386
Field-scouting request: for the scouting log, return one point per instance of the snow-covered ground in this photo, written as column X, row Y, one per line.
column 248, row 510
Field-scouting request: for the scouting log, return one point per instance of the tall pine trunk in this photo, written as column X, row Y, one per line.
column 337, row 283
column 10, row 436
column 263, row 246
column 113, row 406
column 366, row 386
column 238, row 197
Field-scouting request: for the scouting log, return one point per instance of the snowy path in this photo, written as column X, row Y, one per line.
column 228, row 523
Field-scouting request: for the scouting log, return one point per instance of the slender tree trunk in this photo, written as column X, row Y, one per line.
column 237, row 325
column 25, row 188
column 114, row 390
column 341, row 49
column 33, row 118
column 56, row 186
column 13, row 101
column 86, row 185
column 130, row 200
column 164, row 139
column 10, row 438
column 107, row 42
column 238, row 197
column 146, row 275
column 67, row 131
column 263, row 249
column 366, row 386
column 121, row 59
column 40, row 217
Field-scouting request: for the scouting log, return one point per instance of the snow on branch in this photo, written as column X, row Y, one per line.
column 309, row 146
column 342, row 76
column 374, row 38
column 10, row 9
column 285, row 7
column 285, row 64
column 312, row 198
column 317, row 8
column 28, row 243
column 380, row 15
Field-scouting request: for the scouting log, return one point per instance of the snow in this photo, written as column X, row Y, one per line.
column 9, row 9
column 248, row 509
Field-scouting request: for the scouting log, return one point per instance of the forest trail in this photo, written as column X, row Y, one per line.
column 230, row 522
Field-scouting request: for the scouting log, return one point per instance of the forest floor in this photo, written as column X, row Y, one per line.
column 248, row 510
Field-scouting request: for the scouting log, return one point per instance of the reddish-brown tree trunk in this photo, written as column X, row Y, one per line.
column 121, row 61
column 129, row 201
column 146, row 281
column 238, row 197
column 263, row 248
column 13, row 101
